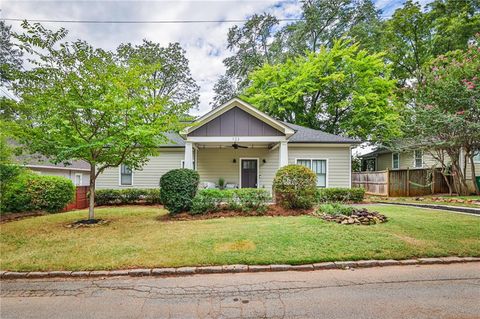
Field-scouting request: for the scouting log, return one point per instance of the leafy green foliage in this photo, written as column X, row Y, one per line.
column 344, row 195
column 335, row 209
column 10, row 55
column 32, row 192
column 350, row 87
column 127, row 196
column 244, row 199
column 295, row 187
column 105, row 108
column 448, row 97
column 178, row 188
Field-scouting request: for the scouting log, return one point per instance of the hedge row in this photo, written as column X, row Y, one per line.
column 127, row 196
column 352, row 195
column 244, row 199
column 33, row 192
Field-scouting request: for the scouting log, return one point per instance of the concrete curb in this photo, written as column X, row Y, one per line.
column 185, row 271
column 460, row 209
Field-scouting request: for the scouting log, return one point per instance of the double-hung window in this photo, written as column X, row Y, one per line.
column 78, row 179
column 126, row 175
column 319, row 167
column 395, row 160
column 418, row 158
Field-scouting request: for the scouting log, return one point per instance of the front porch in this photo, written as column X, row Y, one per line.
column 247, row 164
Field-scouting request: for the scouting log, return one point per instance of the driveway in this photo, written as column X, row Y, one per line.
column 429, row 291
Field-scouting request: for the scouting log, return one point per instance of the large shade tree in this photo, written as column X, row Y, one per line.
column 341, row 90
column 82, row 103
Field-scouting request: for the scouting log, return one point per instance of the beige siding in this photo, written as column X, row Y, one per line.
column 70, row 174
column 338, row 167
column 215, row 163
column 149, row 176
column 384, row 161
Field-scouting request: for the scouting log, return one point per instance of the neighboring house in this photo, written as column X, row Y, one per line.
column 382, row 159
column 243, row 146
column 77, row 171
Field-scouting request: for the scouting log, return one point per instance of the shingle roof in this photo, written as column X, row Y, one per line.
column 175, row 140
column 39, row 160
column 308, row 135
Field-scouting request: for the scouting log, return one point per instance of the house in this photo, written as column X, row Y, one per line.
column 382, row 159
column 245, row 147
column 77, row 171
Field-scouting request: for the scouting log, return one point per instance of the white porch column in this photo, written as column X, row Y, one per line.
column 188, row 161
column 283, row 154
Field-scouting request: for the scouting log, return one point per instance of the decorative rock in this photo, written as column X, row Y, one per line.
column 280, row 267
column 209, row 269
column 186, row 270
column 235, row 268
column 14, row 275
column 259, row 268
column 326, row 265
column 388, row 262
column 59, row 273
column 358, row 217
column 428, row 261
column 80, row 273
column 140, row 272
column 163, row 271
column 37, row 274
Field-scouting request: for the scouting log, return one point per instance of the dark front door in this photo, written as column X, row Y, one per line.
column 249, row 173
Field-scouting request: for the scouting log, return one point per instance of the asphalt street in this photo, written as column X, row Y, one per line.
column 428, row 291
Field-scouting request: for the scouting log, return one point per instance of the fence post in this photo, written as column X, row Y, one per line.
column 388, row 182
column 408, row 181
column 433, row 180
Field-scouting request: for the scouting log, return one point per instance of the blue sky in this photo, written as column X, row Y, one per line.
column 205, row 44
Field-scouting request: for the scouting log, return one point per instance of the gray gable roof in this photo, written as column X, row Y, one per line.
column 308, row 135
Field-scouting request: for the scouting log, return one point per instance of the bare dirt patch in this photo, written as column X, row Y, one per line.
column 239, row 245
column 10, row 217
column 411, row 241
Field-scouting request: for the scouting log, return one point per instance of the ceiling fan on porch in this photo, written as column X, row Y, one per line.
column 237, row 146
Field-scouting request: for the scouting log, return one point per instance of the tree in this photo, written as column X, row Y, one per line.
column 341, row 90
column 87, row 104
column 10, row 55
column 225, row 89
column 172, row 78
column 446, row 114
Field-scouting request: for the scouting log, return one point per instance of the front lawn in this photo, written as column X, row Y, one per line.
column 136, row 238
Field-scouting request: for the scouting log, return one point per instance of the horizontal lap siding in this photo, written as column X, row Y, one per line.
column 384, row 161
column 70, row 174
column 338, row 162
column 148, row 176
column 215, row 163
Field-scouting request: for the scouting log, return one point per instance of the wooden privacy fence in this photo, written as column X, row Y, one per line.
column 80, row 201
column 401, row 182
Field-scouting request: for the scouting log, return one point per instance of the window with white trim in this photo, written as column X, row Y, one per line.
column 126, row 175
column 395, row 160
column 78, row 179
column 319, row 167
column 418, row 158
column 182, row 164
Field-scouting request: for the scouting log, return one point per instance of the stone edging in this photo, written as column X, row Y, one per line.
column 461, row 209
column 183, row 271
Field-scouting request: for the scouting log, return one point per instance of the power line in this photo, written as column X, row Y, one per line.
column 141, row 21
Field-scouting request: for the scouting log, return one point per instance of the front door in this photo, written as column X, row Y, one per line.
column 249, row 173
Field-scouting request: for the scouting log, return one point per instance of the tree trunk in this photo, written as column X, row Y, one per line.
column 474, row 177
column 91, row 197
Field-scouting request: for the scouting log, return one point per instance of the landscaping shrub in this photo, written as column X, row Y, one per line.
column 252, row 199
column 177, row 189
column 295, row 187
column 32, row 192
column 245, row 199
column 335, row 209
column 127, row 196
column 343, row 195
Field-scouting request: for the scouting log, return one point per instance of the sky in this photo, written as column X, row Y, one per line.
column 205, row 43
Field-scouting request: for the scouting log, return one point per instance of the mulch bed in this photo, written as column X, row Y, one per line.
column 273, row 210
column 87, row 223
column 10, row 217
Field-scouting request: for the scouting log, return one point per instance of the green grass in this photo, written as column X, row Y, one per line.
column 427, row 200
column 135, row 238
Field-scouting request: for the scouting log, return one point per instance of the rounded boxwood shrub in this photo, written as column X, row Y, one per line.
column 295, row 186
column 32, row 192
column 177, row 189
